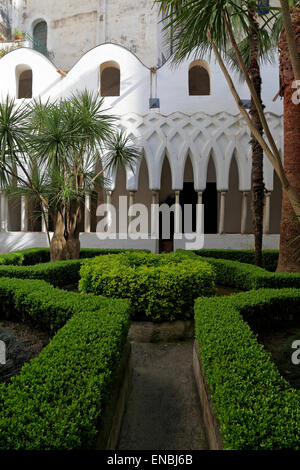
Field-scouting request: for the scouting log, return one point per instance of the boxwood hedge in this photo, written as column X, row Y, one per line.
column 246, row 276
column 256, row 407
column 24, row 265
column 57, row 400
column 160, row 287
column 42, row 255
column 269, row 257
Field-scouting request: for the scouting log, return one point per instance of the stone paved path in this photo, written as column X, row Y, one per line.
column 163, row 410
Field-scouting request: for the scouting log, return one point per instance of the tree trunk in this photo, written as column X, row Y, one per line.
column 73, row 246
column 58, row 244
column 289, row 256
column 257, row 175
column 73, row 220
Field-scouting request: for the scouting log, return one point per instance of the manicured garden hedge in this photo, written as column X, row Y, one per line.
column 40, row 304
column 42, row 255
column 60, row 273
column 256, row 407
column 269, row 257
column 160, row 287
column 246, row 276
column 57, row 400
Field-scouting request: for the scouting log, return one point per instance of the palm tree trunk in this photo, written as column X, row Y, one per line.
column 289, row 258
column 257, row 175
column 58, row 244
column 73, row 242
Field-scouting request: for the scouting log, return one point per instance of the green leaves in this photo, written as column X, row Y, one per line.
column 256, row 407
column 120, row 151
column 160, row 287
column 57, row 400
column 190, row 22
column 59, row 147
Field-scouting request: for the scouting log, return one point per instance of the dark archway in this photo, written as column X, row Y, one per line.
column 40, row 33
column 110, row 79
column 199, row 80
column 210, row 200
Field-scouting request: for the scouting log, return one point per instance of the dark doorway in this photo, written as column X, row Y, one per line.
column 210, row 201
column 189, row 196
column 167, row 244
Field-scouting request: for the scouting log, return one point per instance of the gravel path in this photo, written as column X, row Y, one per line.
column 163, row 410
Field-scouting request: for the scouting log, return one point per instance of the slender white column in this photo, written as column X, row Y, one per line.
column 177, row 216
column 155, row 216
column 267, row 210
column 199, row 215
column 131, row 203
column 222, row 211
column 244, row 212
column 24, row 214
column 4, row 213
column 109, row 214
column 87, row 213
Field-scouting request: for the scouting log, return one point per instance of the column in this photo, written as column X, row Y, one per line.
column 131, row 203
column 267, row 209
column 109, row 214
column 87, row 213
column 244, row 212
column 4, row 213
column 199, row 215
column 154, row 216
column 177, row 217
column 222, row 212
column 24, row 214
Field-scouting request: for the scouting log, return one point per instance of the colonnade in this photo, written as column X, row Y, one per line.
column 155, row 200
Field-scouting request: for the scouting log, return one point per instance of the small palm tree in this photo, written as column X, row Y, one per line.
column 57, row 147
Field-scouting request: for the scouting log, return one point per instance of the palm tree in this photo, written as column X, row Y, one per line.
column 290, row 226
column 208, row 25
column 55, row 147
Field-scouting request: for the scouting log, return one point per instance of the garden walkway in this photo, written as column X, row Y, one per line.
column 163, row 409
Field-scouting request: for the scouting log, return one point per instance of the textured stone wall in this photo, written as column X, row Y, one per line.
column 5, row 17
column 132, row 24
column 74, row 27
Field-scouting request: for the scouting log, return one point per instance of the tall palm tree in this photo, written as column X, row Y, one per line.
column 208, row 25
column 290, row 226
column 55, row 147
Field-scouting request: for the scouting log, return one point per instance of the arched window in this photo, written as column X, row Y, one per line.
column 24, row 81
column 199, row 79
column 110, row 78
column 40, row 37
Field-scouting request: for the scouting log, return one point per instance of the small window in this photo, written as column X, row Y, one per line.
column 40, row 37
column 24, row 83
column 110, row 78
column 199, row 79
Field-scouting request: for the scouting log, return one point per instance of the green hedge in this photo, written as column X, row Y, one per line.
column 23, row 265
column 256, row 407
column 269, row 257
column 246, row 276
column 57, row 400
column 25, row 257
column 160, row 287
column 42, row 255
column 59, row 274
column 43, row 306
